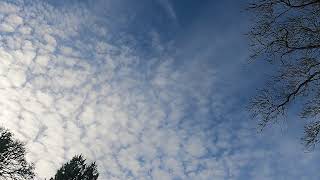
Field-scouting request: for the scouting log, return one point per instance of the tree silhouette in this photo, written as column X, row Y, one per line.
column 287, row 34
column 13, row 164
column 77, row 169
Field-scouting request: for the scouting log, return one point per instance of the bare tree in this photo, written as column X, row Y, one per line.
column 13, row 164
column 287, row 34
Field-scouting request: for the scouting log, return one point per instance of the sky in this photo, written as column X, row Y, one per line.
column 149, row 89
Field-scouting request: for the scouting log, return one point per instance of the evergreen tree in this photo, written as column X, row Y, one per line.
column 77, row 169
column 13, row 164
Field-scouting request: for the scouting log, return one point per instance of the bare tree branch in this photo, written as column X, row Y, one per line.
column 287, row 33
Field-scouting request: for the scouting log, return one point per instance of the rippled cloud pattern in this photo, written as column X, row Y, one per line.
column 68, row 85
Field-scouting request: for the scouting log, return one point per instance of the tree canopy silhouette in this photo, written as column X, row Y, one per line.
column 77, row 169
column 287, row 34
column 13, row 164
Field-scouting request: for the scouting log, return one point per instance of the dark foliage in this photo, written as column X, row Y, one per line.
column 77, row 169
column 13, row 164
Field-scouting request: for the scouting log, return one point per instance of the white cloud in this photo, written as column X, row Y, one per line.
column 168, row 8
column 159, row 174
column 195, row 147
column 14, row 20
column 7, row 8
column 4, row 27
column 26, row 30
column 17, row 77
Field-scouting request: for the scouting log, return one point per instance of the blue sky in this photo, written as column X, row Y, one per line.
column 150, row 89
